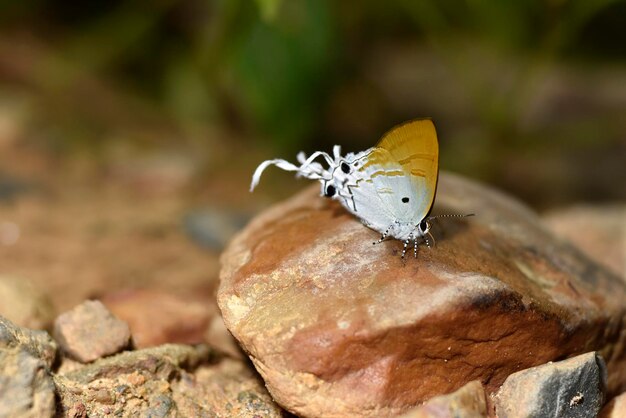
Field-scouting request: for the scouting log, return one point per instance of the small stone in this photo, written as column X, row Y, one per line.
column 104, row 396
column 136, row 379
column 23, row 304
column 89, row 332
column 354, row 330
column 467, row 402
column 569, row 388
column 157, row 317
column 616, row 408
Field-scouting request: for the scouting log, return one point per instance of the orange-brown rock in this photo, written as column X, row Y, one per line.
column 338, row 327
column 89, row 331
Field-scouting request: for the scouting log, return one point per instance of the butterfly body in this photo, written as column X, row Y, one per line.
column 389, row 187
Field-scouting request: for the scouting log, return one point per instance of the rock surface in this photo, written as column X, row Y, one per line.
column 26, row 387
column 226, row 389
column 156, row 317
column 24, row 305
column 39, row 344
column 467, row 402
column 164, row 381
column 89, row 332
column 570, row 388
column 339, row 327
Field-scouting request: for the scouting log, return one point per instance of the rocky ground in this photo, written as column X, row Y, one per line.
column 109, row 293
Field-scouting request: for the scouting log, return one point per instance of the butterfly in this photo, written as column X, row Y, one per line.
column 390, row 187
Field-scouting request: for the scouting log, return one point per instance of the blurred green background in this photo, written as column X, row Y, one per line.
column 527, row 95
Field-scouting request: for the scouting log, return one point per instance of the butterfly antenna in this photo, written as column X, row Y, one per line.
column 280, row 163
column 450, row 215
column 316, row 154
column 337, row 152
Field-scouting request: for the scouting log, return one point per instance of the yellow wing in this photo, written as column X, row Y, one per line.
column 414, row 146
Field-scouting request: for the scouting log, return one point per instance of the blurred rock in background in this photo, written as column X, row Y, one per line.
column 24, row 305
column 600, row 231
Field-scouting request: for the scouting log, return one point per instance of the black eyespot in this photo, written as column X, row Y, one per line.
column 405, row 200
column 345, row 167
column 423, row 226
column 330, row 191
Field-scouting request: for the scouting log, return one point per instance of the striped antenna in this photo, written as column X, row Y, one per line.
column 449, row 215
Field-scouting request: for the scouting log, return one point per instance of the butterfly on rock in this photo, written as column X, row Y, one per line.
column 390, row 187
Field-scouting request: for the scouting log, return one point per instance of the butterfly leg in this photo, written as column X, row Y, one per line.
column 429, row 242
column 406, row 244
column 415, row 248
column 382, row 238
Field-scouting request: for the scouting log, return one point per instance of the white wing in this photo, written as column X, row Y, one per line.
column 378, row 191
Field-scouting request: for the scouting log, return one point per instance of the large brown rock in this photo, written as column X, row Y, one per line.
column 338, row 327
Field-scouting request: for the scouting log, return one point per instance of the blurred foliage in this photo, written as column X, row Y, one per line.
column 524, row 93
